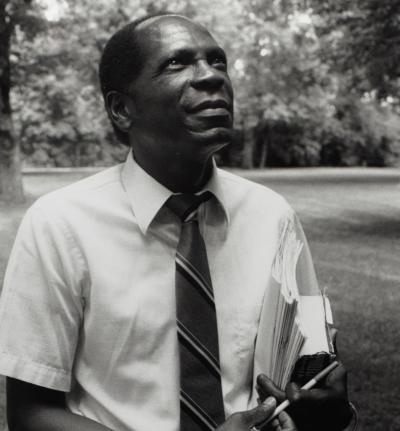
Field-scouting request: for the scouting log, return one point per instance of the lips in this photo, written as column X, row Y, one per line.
column 216, row 105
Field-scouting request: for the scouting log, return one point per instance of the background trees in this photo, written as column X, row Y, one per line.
column 359, row 41
column 12, row 14
column 317, row 83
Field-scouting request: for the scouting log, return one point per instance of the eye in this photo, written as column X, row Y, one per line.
column 219, row 61
column 177, row 62
column 174, row 62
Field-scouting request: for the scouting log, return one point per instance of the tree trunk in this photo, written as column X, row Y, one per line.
column 10, row 167
column 11, row 188
column 264, row 153
column 248, row 147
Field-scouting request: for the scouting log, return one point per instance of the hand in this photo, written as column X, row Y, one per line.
column 244, row 421
column 325, row 407
column 282, row 423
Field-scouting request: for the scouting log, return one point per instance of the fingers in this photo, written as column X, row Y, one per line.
column 296, row 395
column 267, row 388
column 325, row 407
column 259, row 414
column 335, row 386
column 283, row 423
column 286, row 423
column 301, row 398
column 337, row 379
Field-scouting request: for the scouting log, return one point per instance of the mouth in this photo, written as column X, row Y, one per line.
column 210, row 107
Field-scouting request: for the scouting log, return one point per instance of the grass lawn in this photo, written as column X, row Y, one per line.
column 354, row 234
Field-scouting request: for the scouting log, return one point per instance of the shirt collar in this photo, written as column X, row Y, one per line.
column 147, row 196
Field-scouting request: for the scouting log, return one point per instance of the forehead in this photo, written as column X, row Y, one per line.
column 170, row 33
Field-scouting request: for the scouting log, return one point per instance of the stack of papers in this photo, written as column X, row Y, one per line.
column 284, row 332
column 287, row 336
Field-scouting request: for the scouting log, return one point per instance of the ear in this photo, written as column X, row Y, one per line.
column 120, row 110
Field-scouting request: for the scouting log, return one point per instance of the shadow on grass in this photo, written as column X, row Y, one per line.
column 372, row 228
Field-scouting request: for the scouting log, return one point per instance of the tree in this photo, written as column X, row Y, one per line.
column 294, row 102
column 60, row 117
column 361, row 40
column 10, row 172
column 15, row 16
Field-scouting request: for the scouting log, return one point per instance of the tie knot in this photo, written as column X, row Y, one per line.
column 184, row 204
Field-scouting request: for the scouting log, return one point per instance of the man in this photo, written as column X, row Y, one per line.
column 92, row 300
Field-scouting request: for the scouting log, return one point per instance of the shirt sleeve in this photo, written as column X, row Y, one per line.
column 41, row 304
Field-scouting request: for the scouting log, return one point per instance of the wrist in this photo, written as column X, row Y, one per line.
column 353, row 424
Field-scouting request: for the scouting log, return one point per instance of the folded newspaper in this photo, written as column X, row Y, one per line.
column 291, row 324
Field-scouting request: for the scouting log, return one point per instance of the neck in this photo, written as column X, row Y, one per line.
column 188, row 178
column 178, row 175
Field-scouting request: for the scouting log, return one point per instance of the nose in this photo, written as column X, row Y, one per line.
column 207, row 77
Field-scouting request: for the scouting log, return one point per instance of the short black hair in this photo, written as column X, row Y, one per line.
column 121, row 62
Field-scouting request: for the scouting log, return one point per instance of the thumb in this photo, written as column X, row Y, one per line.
column 260, row 413
column 267, row 388
column 286, row 422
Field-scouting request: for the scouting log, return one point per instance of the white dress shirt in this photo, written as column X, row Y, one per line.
column 88, row 305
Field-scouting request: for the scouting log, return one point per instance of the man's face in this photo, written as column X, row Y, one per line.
column 183, row 96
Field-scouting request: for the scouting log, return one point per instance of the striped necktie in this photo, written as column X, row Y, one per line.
column 201, row 402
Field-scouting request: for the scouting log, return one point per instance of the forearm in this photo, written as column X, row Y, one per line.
column 52, row 419
column 35, row 408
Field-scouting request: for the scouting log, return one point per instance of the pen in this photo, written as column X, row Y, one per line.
column 308, row 385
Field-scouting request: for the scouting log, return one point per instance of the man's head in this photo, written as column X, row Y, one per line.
column 121, row 62
column 166, row 87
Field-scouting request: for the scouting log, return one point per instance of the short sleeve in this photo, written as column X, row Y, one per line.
column 41, row 305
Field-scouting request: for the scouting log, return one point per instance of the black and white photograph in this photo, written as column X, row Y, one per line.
column 199, row 215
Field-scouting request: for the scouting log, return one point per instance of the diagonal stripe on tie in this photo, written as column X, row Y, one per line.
column 202, row 406
column 197, row 411
column 198, row 349
column 191, row 274
column 189, row 267
column 202, row 316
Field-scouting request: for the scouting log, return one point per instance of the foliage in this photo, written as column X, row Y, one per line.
column 361, row 39
column 13, row 13
column 60, row 114
column 305, row 91
column 362, row 133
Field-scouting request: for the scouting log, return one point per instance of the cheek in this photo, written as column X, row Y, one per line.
column 169, row 97
column 177, row 86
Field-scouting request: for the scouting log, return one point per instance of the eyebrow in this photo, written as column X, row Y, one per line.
column 180, row 52
column 187, row 52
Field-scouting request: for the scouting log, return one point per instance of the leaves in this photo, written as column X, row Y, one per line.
column 321, row 74
column 365, row 36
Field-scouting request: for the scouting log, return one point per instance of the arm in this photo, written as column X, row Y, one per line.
column 35, row 408
column 41, row 312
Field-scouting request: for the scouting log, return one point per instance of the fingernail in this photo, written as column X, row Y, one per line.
column 270, row 402
column 262, row 377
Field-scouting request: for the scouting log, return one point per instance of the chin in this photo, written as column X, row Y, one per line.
column 218, row 136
